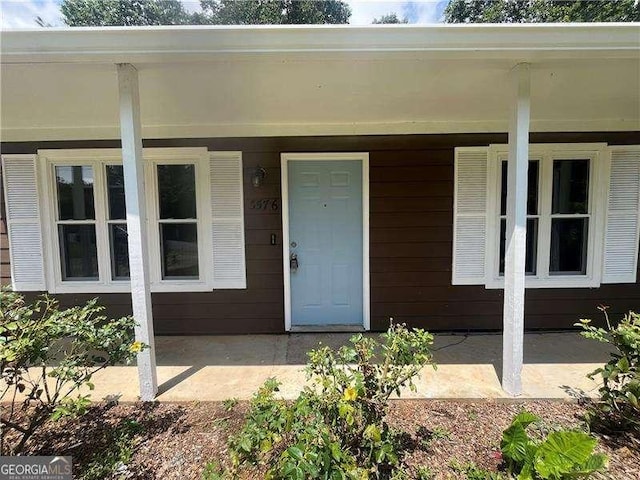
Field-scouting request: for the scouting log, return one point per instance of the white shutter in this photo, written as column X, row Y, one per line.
column 470, row 216
column 227, row 208
column 620, row 260
column 23, row 221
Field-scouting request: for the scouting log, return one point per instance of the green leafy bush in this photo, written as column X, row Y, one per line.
column 213, row 471
column 472, row 472
column 336, row 427
column 619, row 402
column 47, row 355
column 563, row 454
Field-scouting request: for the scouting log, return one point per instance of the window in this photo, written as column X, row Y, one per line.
column 76, row 222
column 178, row 221
column 116, row 222
column 532, row 216
column 564, row 207
column 179, row 239
column 89, row 249
column 569, row 217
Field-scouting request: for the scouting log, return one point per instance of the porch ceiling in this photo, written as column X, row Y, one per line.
column 59, row 85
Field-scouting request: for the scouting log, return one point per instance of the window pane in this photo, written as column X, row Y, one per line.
column 78, row 253
column 531, row 258
column 177, row 191
column 118, row 241
column 115, row 191
column 179, row 245
column 532, row 188
column 75, row 192
column 503, row 189
column 570, row 186
column 569, row 237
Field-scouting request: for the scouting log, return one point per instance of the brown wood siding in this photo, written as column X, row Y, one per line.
column 5, row 266
column 411, row 201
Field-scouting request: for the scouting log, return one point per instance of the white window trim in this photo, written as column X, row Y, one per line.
column 98, row 159
column 199, row 158
column 599, row 156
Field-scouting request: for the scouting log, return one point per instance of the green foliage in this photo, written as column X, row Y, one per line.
column 265, row 424
column 292, row 438
column 426, row 437
column 273, row 12
column 389, row 18
column 256, row 12
column 71, row 407
column 213, row 471
column 619, row 402
column 536, row 11
column 97, row 13
column 118, row 453
column 357, row 387
column 229, row 404
column 439, row 433
column 472, row 472
column 424, row 473
column 48, row 355
column 336, row 427
column 215, row 12
column 563, row 454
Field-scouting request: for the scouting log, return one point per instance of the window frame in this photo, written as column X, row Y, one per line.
column 109, row 222
column 203, row 211
column 598, row 155
column 87, row 221
column 502, row 157
column 98, row 159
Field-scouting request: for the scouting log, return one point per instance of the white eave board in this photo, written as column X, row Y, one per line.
column 186, row 43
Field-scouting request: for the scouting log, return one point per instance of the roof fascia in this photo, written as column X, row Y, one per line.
column 171, row 43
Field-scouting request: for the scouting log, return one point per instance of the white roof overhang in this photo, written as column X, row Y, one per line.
column 60, row 84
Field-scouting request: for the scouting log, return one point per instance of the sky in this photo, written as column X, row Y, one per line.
column 22, row 13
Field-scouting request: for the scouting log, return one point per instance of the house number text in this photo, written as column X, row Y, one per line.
column 264, row 204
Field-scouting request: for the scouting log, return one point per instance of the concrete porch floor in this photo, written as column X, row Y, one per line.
column 220, row 367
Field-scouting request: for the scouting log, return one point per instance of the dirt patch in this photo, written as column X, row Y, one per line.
column 176, row 440
column 450, row 433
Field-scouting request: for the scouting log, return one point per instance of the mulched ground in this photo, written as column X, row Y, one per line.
column 177, row 439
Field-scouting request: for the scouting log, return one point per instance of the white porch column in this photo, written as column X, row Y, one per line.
column 130, row 132
column 516, row 236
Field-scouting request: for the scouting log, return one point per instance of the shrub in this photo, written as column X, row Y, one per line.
column 336, row 427
column 562, row 454
column 47, row 355
column 213, row 471
column 619, row 402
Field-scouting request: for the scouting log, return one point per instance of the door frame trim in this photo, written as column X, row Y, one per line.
column 363, row 157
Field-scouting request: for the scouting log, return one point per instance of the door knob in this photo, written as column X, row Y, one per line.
column 293, row 262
